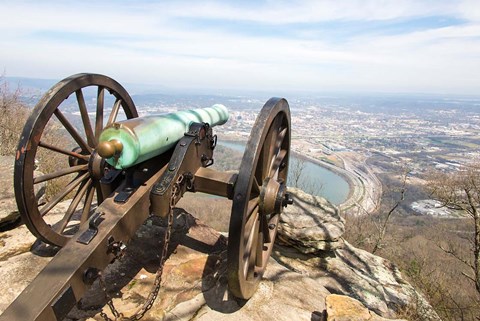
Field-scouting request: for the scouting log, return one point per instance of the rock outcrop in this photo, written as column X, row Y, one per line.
column 344, row 308
column 194, row 286
column 311, row 224
column 304, row 280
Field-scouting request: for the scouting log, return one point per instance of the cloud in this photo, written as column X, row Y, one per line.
column 275, row 44
column 288, row 12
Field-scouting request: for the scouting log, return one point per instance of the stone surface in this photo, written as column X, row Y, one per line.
column 194, row 286
column 311, row 224
column 344, row 308
column 374, row 281
column 22, row 258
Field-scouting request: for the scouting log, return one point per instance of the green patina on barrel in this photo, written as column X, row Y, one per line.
column 146, row 137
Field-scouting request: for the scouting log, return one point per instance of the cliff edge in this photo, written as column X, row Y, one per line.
column 313, row 273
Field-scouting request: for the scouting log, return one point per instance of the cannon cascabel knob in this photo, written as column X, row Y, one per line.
column 110, row 148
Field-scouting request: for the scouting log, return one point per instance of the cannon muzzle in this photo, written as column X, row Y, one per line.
column 132, row 141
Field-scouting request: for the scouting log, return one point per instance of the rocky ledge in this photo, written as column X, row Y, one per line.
column 311, row 225
column 312, row 275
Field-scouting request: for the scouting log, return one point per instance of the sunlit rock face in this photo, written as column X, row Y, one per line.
column 302, row 275
column 311, row 224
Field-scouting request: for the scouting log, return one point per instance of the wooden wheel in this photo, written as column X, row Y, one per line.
column 61, row 136
column 259, row 197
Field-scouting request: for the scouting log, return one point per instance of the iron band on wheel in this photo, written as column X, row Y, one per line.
column 259, row 190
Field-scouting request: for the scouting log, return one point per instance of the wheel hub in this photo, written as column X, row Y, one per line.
column 73, row 161
column 273, row 196
column 96, row 166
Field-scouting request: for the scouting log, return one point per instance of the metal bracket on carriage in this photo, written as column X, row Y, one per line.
column 92, row 230
column 193, row 151
column 117, row 248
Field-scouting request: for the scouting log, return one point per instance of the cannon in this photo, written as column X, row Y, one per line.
column 113, row 169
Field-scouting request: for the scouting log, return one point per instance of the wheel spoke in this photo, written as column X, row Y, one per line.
column 252, row 250
column 62, row 194
column 62, row 151
column 88, row 204
column 85, row 119
column 99, row 115
column 259, row 244
column 60, row 173
column 255, row 187
column 73, row 132
column 259, row 168
column 249, row 255
column 59, row 227
column 265, row 229
column 114, row 113
column 100, row 197
column 252, row 206
column 273, row 219
column 276, row 163
column 269, row 145
column 279, row 140
column 252, row 216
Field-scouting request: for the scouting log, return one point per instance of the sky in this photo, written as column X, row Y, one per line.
column 406, row 46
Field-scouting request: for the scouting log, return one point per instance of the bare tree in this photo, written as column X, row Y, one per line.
column 382, row 228
column 296, row 172
column 299, row 179
column 13, row 116
column 460, row 191
column 14, row 113
column 368, row 230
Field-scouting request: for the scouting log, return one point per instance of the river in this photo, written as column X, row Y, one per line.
column 315, row 179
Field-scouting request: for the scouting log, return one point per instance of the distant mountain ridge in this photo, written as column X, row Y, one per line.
column 43, row 84
column 387, row 103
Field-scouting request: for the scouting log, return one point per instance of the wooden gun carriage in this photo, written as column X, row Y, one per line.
column 118, row 172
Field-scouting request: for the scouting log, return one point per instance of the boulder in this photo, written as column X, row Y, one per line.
column 310, row 224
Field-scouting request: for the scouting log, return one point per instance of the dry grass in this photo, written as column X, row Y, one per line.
column 14, row 113
column 49, row 161
column 14, row 116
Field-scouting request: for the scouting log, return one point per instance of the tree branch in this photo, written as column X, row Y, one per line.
column 456, row 256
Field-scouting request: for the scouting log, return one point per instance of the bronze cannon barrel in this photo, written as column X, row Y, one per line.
column 129, row 142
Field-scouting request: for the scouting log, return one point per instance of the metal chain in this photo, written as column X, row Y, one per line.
column 176, row 191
